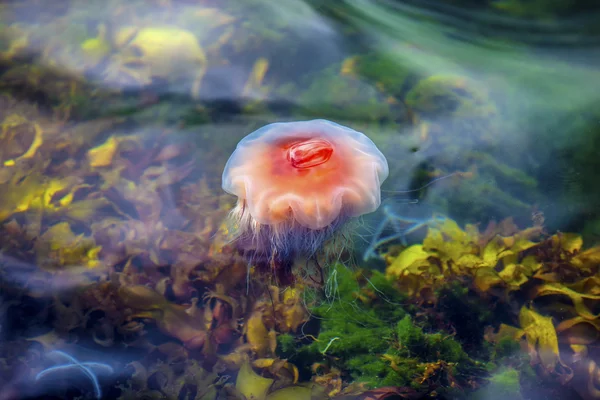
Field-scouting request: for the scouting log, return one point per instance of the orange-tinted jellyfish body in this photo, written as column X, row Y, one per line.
column 297, row 183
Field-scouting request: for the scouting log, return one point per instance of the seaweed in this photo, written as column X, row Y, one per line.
column 367, row 333
column 535, row 284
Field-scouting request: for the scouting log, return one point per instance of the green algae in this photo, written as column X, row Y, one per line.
column 368, row 333
column 428, row 347
column 352, row 334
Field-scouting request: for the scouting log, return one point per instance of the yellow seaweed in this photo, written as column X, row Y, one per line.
column 252, row 385
column 291, row 393
column 541, row 337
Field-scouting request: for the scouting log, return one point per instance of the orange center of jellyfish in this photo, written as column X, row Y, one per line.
column 306, row 164
column 309, row 153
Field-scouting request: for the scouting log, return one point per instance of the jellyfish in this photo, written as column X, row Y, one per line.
column 298, row 184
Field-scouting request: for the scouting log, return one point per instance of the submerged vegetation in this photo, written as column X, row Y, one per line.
column 117, row 279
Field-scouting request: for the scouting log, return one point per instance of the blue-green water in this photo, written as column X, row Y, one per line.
column 117, row 119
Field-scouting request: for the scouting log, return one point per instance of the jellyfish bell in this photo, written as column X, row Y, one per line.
column 299, row 183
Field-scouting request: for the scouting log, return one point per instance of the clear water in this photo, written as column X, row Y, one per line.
column 118, row 118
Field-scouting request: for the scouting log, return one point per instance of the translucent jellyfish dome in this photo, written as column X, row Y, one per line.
column 310, row 173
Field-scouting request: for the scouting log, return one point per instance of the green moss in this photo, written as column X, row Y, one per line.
column 286, row 344
column 410, row 336
column 428, row 347
column 377, row 372
column 368, row 333
column 352, row 335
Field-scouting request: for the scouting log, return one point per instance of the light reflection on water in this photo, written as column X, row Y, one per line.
column 506, row 96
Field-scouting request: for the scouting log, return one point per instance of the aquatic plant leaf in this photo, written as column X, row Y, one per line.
column 448, row 241
column 487, row 278
column 283, row 371
column 492, row 252
column 587, row 259
column 21, row 191
column 293, row 309
column 589, row 285
column 492, row 260
column 171, row 318
column 82, row 211
column 406, row 259
column 505, row 332
column 60, row 247
column 141, row 297
column 520, row 241
column 515, row 275
column 505, row 249
column 541, row 337
column 577, row 298
column 19, row 139
column 579, row 331
column 102, row 156
column 569, row 242
column 291, row 393
column 531, row 263
column 252, row 385
column 470, row 261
